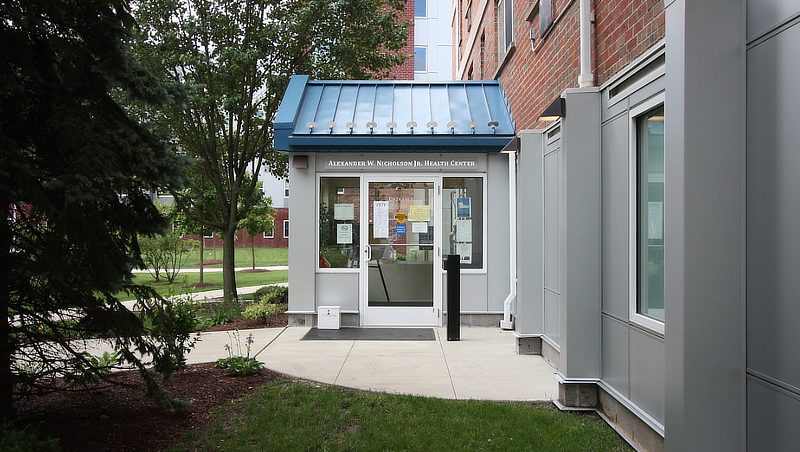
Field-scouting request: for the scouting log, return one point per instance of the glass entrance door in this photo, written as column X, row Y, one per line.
column 401, row 284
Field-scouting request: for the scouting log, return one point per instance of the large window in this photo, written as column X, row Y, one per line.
column 505, row 26
column 648, row 219
column 339, row 212
column 462, row 218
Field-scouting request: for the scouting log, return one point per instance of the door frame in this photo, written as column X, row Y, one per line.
column 401, row 316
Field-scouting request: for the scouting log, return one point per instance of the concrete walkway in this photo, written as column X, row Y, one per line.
column 482, row 365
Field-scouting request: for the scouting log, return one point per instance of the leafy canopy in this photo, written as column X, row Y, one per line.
column 236, row 58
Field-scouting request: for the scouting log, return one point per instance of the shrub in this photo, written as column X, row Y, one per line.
column 174, row 320
column 260, row 310
column 26, row 439
column 225, row 312
column 274, row 294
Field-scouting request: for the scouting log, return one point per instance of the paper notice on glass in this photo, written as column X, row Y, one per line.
column 465, row 251
column 344, row 234
column 344, row 211
column 419, row 227
column 655, row 220
column 463, row 230
column 464, row 207
column 380, row 219
column 419, row 213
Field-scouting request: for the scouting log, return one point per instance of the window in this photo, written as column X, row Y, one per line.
column 545, row 16
column 339, row 213
column 420, row 8
column 286, row 188
column 483, row 56
column 270, row 234
column 420, row 59
column 647, row 214
column 505, row 26
column 462, row 220
column 286, row 229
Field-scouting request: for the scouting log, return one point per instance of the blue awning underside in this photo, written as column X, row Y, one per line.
column 397, row 116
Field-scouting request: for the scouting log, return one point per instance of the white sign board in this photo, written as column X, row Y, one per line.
column 344, row 211
column 380, row 219
column 344, row 234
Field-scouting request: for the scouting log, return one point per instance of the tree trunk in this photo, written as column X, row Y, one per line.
column 253, row 250
column 202, row 253
column 229, row 266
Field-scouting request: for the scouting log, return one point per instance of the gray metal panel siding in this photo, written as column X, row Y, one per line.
column 498, row 241
column 530, row 297
column 616, row 355
column 772, row 415
column 337, row 289
column 765, row 14
column 302, row 226
column 647, row 373
column 773, row 198
column 704, row 164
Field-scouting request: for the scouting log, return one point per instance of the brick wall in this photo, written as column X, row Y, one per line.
column 405, row 71
column 534, row 75
column 243, row 240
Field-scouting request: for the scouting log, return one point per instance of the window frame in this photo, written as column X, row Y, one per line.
column 635, row 316
column 482, row 270
column 286, row 229
column 317, row 242
column 286, row 188
column 271, row 234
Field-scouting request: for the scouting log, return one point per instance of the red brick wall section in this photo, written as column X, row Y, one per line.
column 533, row 76
column 243, row 240
column 405, row 71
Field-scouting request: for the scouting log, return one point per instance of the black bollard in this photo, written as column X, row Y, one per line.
column 453, row 297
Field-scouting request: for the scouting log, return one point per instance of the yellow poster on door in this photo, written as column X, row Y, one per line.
column 419, row 213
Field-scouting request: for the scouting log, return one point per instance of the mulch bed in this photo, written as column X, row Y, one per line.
column 118, row 418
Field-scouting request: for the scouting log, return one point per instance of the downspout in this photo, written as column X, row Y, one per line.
column 586, row 77
column 507, row 323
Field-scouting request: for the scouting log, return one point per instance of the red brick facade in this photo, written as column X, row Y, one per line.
column 278, row 239
column 534, row 74
column 406, row 70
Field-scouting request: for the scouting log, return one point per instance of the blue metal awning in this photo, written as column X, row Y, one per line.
column 399, row 116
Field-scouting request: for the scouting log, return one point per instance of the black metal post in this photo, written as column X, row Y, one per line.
column 453, row 297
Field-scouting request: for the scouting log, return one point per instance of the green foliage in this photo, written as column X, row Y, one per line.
column 261, row 310
column 272, row 294
column 174, row 325
column 224, row 312
column 99, row 366
column 236, row 363
column 76, row 174
column 25, row 439
column 236, row 57
column 268, row 301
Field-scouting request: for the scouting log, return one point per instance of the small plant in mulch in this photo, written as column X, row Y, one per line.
column 236, row 363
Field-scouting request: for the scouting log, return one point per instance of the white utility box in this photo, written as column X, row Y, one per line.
column 328, row 317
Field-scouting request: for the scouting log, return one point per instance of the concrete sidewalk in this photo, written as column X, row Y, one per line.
column 483, row 365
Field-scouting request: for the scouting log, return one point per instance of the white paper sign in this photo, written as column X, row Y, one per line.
column 655, row 220
column 463, row 230
column 419, row 227
column 344, row 234
column 344, row 211
column 465, row 251
column 380, row 219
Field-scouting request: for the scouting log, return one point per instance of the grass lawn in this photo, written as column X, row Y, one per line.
column 289, row 416
column 242, row 280
column 265, row 257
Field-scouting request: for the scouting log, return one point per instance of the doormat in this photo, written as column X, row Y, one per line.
column 371, row 334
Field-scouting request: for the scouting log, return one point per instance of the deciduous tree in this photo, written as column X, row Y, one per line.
column 237, row 56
